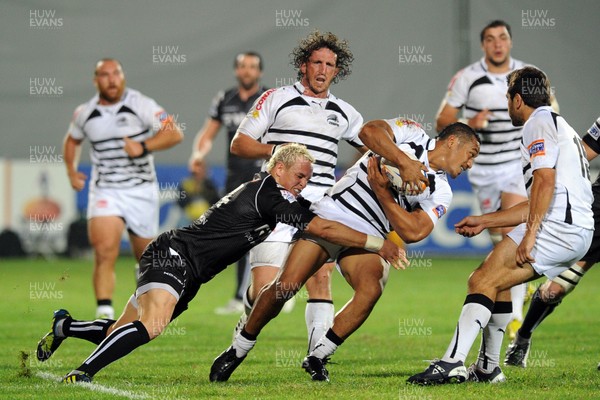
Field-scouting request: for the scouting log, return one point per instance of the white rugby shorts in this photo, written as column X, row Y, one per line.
column 490, row 182
column 557, row 246
column 138, row 206
column 270, row 254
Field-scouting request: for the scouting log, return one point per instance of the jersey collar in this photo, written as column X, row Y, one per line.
column 484, row 65
column 300, row 88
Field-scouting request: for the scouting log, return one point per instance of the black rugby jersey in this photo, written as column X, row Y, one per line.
column 229, row 109
column 239, row 221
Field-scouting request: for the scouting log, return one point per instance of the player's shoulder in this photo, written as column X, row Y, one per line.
column 410, row 129
column 274, row 95
column 268, row 188
column 83, row 110
column 135, row 95
column 518, row 64
column 348, row 108
column 543, row 119
column 475, row 69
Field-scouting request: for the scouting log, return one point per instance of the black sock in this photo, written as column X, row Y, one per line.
column 119, row 343
column 331, row 335
column 538, row 311
column 104, row 302
column 92, row 331
column 247, row 335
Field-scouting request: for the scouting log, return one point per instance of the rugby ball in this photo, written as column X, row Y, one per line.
column 393, row 175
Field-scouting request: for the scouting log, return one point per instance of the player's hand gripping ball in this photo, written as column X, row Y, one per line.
column 393, row 175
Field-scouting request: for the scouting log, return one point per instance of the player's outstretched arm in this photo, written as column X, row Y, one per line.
column 475, row 224
column 337, row 233
column 377, row 136
column 410, row 226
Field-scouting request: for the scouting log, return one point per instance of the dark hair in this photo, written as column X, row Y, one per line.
column 463, row 132
column 494, row 24
column 315, row 41
column 531, row 84
column 251, row 54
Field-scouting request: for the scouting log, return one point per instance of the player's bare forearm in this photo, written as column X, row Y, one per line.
column 335, row 232
column 542, row 191
column 498, row 219
column 377, row 136
column 245, row 146
column 204, row 139
column 168, row 136
column 343, row 235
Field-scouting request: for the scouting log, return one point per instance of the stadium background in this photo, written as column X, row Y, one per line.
column 181, row 54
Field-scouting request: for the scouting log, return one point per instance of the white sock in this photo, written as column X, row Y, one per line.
column 325, row 345
column 491, row 338
column 474, row 316
column 517, row 294
column 105, row 311
column 319, row 316
column 242, row 345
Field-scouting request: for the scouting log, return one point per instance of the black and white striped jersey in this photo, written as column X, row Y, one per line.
column 135, row 116
column 474, row 89
column 550, row 142
column 353, row 194
column 285, row 115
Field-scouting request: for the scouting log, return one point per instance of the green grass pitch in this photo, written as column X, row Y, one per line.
column 413, row 322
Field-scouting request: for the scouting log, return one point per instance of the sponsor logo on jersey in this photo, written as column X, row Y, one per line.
column 537, row 148
column 263, row 98
column 332, row 119
column 439, row 211
column 288, row 196
column 594, row 131
column 122, row 121
column 407, row 121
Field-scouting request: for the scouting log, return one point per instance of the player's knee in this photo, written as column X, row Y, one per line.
column 155, row 326
column 564, row 283
column 551, row 292
column 105, row 249
column 474, row 283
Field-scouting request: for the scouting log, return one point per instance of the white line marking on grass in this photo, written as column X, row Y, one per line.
column 95, row 387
